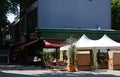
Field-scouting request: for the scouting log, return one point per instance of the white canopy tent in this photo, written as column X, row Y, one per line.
column 82, row 41
column 64, row 47
column 85, row 43
column 103, row 43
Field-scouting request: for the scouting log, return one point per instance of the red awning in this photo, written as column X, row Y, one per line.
column 53, row 43
column 49, row 43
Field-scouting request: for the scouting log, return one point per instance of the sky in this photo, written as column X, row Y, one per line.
column 11, row 17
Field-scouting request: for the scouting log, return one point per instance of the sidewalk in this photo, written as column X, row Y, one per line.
column 32, row 71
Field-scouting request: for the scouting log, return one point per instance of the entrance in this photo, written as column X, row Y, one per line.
column 102, row 59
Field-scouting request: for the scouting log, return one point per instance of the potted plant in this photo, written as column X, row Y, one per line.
column 71, row 55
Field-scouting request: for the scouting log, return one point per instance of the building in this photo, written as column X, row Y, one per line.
column 57, row 20
column 54, row 21
column 79, row 14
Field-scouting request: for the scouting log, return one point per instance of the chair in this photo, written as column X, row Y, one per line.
column 48, row 64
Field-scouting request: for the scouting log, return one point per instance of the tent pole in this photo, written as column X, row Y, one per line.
column 95, row 64
column 61, row 55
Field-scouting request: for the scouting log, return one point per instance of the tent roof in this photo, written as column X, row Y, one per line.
column 67, row 46
column 82, row 41
column 86, row 43
column 104, row 41
column 64, row 47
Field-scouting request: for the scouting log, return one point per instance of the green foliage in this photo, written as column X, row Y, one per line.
column 116, row 14
column 7, row 6
column 70, row 40
column 45, row 55
column 71, row 52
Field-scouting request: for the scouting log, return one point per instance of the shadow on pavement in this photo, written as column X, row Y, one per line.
column 13, row 75
column 19, row 67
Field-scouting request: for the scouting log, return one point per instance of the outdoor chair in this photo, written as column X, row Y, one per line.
column 48, row 64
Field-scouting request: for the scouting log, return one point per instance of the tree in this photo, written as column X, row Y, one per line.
column 116, row 14
column 7, row 6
